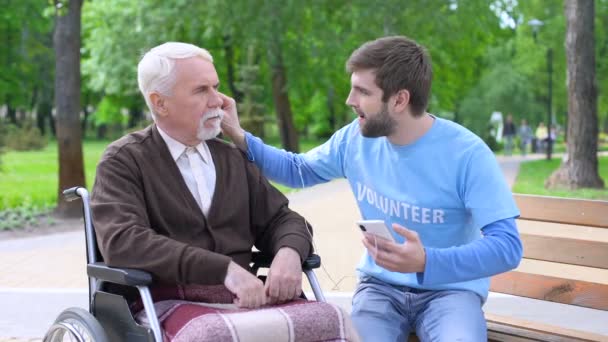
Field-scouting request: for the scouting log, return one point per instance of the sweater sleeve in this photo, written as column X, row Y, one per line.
column 499, row 250
column 274, row 224
column 281, row 166
column 126, row 238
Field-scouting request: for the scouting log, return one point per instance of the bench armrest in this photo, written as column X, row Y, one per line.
column 261, row 260
column 122, row 276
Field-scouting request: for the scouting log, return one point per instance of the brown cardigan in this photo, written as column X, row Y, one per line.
column 145, row 217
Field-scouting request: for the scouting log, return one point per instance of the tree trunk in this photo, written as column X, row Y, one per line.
column 66, row 42
column 45, row 116
column 333, row 120
column 40, row 122
column 289, row 136
column 230, row 73
column 102, row 131
column 34, row 101
column 136, row 115
column 580, row 168
column 11, row 113
column 45, row 96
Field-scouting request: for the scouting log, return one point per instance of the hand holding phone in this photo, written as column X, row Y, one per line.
column 377, row 228
column 407, row 257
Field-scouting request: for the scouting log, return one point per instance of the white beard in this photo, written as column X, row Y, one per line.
column 205, row 133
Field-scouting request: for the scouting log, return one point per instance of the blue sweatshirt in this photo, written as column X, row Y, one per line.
column 447, row 186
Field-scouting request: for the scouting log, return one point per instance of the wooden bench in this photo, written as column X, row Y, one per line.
column 554, row 234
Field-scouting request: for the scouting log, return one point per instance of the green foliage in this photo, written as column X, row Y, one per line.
column 532, row 175
column 251, row 110
column 316, row 117
column 312, row 40
column 601, row 48
column 501, row 89
column 478, row 59
column 27, row 214
column 25, row 138
column 26, row 51
column 109, row 111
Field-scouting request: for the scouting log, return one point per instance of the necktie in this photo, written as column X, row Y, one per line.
column 203, row 193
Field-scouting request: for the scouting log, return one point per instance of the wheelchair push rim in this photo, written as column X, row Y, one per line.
column 76, row 325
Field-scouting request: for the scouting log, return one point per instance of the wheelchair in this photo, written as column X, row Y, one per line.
column 109, row 317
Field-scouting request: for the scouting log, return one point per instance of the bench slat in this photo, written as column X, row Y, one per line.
column 563, row 210
column 566, row 250
column 502, row 328
column 559, row 290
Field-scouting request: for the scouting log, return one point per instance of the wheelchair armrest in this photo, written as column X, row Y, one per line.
column 313, row 261
column 122, row 276
column 261, row 260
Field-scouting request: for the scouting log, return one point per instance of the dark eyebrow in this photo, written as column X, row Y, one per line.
column 361, row 89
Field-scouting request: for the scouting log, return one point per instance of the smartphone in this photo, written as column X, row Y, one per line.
column 376, row 227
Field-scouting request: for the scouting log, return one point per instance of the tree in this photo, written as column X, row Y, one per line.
column 25, row 59
column 287, row 130
column 580, row 169
column 66, row 42
column 250, row 110
column 300, row 50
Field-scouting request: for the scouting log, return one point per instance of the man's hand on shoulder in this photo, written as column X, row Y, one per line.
column 408, row 257
column 284, row 281
column 249, row 290
column 230, row 123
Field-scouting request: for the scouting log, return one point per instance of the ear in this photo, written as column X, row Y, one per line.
column 402, row 100
column 158, row 102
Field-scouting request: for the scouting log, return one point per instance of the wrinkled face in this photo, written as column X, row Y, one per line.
column 365, row 98
column 194, row 108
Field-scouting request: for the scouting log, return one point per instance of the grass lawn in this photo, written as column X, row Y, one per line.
column 532, row 176
column 29, row 179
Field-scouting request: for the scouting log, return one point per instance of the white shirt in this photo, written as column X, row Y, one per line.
column 200, row 177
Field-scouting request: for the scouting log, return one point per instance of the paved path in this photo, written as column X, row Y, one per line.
column 43, row 275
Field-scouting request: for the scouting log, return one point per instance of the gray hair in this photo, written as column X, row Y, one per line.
column 156, row 70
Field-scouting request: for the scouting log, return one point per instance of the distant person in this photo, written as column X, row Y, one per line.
column 541, row 137
column 436, row 185
column 525, row 136
column 552, row 134
column 508, row 133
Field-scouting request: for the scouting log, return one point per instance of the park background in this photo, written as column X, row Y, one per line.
column 68, row 77
column 68, row 88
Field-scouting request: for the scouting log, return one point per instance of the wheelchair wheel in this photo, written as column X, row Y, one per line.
column 76, row 325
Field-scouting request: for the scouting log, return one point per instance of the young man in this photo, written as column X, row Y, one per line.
column 410, row 169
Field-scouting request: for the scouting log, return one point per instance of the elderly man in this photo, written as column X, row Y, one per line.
column 186, row 207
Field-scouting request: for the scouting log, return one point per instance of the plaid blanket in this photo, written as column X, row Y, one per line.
column 206, row 313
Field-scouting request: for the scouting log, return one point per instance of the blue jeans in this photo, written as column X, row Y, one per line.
column 383, row 312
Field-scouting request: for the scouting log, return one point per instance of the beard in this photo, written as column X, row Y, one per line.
column 379, row 125
column 207, row 133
